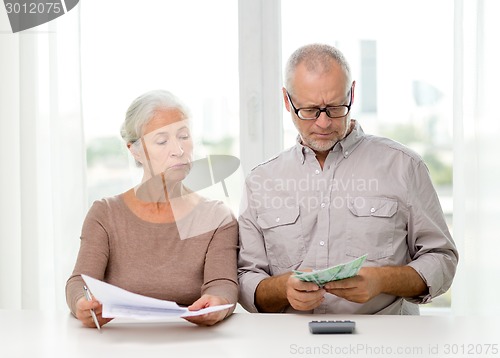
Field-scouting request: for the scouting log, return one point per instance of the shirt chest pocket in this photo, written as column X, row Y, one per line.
column 283, row 238
column 371, row 226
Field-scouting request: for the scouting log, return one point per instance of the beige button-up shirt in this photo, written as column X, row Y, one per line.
column 372, row 196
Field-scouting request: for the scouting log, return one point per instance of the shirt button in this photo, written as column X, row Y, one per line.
column 346, row 152
column 277, row 220
column 323, row 205
column 372, row 210
column 322, row 243
column 316, row 171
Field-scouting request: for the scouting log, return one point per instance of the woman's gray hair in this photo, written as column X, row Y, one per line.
column 143, row 109
column 316, row 57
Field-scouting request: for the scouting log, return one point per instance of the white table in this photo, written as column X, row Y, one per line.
column 26, row 333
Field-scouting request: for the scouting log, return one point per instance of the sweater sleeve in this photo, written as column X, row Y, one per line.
column 220, row 272
column 93, row 254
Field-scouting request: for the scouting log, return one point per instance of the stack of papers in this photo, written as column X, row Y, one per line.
column 334, row 273
column 117, row 302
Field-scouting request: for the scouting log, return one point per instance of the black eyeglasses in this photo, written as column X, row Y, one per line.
column 310, row 113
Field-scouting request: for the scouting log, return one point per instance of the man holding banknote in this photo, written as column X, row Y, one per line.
column 331, row 199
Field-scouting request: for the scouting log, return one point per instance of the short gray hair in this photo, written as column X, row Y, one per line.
column 143, row 109
column 316, row 57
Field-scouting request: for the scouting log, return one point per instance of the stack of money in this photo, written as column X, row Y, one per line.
column 334, row 273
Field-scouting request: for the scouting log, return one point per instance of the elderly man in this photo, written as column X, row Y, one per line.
column 336, row 195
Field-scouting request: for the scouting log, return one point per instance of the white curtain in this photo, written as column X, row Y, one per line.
column 42, row 181
column 476, row 212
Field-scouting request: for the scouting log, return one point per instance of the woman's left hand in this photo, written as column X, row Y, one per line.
column 208, row 319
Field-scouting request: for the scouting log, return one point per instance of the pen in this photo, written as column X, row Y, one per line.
column 87, row 296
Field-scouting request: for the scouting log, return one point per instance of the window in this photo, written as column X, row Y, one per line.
column 131, row 48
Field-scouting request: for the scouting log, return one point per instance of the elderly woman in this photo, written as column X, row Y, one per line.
column 159, row 239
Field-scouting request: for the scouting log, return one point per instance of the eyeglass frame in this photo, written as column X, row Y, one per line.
column 319, row 109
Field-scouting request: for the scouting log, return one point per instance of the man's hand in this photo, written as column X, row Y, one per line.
column 360, row 288
column 401, row 281
column 303, row 296
column 276, row 293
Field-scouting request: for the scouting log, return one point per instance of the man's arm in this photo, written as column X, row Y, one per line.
column 401, row 281
column 275, row 293
column 432, row 250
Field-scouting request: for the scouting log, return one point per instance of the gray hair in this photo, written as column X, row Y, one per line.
column 143, row 109
column 316, row 57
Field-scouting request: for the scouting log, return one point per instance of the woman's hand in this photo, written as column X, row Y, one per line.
column 208, row 319
column 83, row 308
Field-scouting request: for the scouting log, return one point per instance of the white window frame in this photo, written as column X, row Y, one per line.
column 260, row 75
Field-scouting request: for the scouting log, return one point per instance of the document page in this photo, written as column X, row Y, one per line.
column 117, row 302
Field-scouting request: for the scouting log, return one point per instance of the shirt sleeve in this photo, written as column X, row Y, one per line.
column 253, row 265
column 432, row 249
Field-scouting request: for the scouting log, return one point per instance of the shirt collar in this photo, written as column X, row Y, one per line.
column 302, row 150
column 351, row 142
column 346, row 145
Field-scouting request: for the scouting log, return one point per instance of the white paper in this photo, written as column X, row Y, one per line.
column 117, row 302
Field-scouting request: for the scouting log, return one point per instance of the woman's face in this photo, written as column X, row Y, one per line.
column 166, row 146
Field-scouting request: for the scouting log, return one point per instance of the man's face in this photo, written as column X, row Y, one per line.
column 320, row 89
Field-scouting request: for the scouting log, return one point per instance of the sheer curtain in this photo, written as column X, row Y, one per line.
column 42, row 159
column 476, row 163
